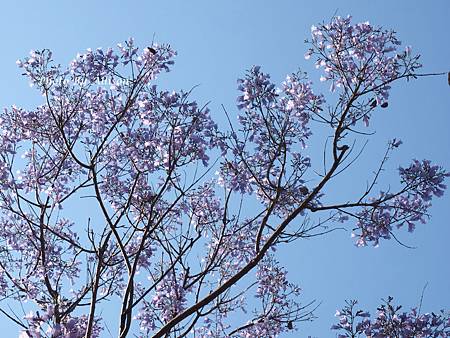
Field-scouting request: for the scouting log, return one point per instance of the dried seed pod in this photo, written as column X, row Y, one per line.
column 373, row 103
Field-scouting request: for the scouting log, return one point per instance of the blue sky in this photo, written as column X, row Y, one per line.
column 216, row 41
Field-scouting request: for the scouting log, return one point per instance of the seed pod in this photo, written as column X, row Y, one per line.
column 304, row 190
column 384, row 105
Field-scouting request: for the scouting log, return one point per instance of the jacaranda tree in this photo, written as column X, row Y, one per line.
column 118, row 197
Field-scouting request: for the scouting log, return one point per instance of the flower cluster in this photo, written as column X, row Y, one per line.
column 204, row 208
column 70, row 327
column 390, row 322
column 232, row 245
column 3, row 283
column 146, row 318
column 376, row 220
column 165, row 132
column 274, row 291
column 94, row 65
column 424, row 179
column 145, row 249
column 168, row 300
column 170, row 297
column 212, row 327
column 37, row 68
column 277, row 313
column 273, row 122
column 23, row 239
column 271, row 113
column 257, row 90
column 97, row 66
column 360, row 60
column 359, row 56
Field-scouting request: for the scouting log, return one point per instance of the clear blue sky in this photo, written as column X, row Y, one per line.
column 216, row 42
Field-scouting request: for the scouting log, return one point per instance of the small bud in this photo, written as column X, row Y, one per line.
column 384, row 105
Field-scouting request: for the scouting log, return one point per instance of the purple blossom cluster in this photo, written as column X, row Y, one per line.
column 279, row 309
column 211, row 327
column 274, row 126
column 391, row 322
column 72, row 327
column 271, row 113
column 167, row 131
column 277, row 312
column 24, row 241
column 232, row 246
column 426, row 180
column 359, row 56
column 146, row 318
column 360, row 59
column 3, row 283
column 170, row 297
column 36, row 68
column 168, row 300
column 93, row 66
column 146, row 251
column 422, row 181
column 204, row 207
